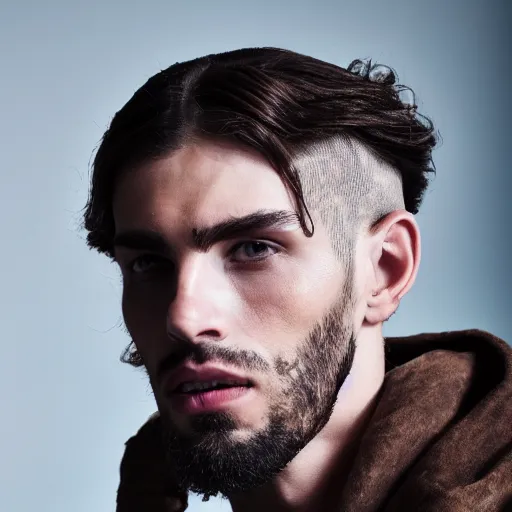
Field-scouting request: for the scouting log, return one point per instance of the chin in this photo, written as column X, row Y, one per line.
column 215, row 431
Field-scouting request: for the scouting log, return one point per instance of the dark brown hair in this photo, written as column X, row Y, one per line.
column 275, row 101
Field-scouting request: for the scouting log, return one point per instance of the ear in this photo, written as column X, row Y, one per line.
column 395, row 251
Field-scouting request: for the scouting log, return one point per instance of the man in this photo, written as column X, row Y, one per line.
column 259, row 204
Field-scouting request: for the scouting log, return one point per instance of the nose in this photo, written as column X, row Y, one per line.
column 198, row 311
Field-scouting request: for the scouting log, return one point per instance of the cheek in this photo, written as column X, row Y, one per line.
column 145, row 311
column 283, row 305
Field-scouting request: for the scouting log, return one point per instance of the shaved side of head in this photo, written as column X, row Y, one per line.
column 349, row 187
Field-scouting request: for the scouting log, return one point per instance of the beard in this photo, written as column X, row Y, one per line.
column 212, row 461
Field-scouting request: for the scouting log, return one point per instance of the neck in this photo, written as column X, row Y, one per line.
column 313, row 480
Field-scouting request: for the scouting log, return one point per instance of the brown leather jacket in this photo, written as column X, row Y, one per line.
column 440, row 439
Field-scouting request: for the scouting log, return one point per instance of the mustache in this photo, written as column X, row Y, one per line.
column 200, row 353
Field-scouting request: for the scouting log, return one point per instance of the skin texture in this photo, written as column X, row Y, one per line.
column 248, row 307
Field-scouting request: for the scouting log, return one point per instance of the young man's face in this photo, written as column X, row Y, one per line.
column 262, row 309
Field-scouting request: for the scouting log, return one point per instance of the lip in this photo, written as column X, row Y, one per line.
column 210, row 401
column 201, row 373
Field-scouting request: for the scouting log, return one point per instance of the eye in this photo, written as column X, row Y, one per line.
column 147, row 263
column 253, row 251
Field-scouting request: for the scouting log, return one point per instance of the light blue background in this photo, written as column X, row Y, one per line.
column 68, row 405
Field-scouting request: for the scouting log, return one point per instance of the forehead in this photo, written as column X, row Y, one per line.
column 196, row 185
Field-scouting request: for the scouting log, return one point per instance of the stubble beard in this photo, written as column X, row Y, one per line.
column 212, row 461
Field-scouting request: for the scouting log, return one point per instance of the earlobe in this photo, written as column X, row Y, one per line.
column 395, row 262
column 380, row 307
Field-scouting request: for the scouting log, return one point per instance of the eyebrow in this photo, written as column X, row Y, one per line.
column 140, row 239
column 204, row 238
